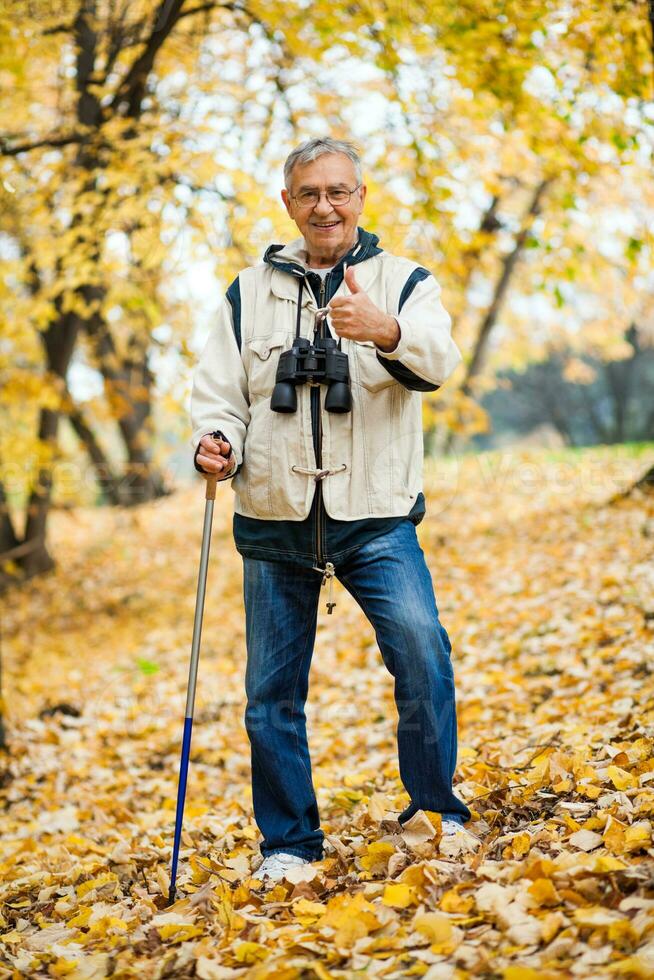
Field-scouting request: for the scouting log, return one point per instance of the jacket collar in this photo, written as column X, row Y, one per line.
column 289, row 263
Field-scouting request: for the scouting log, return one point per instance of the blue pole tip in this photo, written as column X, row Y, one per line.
column 181, row 797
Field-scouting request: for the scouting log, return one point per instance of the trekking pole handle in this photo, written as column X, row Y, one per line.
column 212, row 478
column 212, row 483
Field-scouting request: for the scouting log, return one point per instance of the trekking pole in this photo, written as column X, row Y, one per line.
column 210, row 496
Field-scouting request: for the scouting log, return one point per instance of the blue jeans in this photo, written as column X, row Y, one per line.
column 389, row 579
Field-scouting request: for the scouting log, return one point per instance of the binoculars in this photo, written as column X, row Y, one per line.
column 318, row 363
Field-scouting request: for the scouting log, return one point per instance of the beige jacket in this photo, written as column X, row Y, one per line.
column 374, row 453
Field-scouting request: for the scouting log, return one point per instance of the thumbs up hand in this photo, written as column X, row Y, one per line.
column 357, row 318
column 351, row 280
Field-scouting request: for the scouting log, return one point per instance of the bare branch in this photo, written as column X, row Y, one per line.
column 206, row 7
column 285, row 61
column 509, row 263
column 57, row 29
column 132, row 87
column 53, row 141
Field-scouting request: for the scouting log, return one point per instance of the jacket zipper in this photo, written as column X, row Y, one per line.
column 320, row 559
column 328, row 569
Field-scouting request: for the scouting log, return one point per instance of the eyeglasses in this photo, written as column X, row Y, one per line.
column 337, row 197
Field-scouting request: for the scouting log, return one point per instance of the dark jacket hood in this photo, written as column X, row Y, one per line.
column 292, row 258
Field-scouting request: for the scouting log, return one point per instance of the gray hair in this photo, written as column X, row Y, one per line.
column 312, row 149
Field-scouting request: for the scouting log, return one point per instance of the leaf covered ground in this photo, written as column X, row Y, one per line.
column 546, row 591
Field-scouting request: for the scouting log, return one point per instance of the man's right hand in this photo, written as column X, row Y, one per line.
column 215, row 456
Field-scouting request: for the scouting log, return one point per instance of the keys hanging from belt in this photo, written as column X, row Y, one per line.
column 328, row 573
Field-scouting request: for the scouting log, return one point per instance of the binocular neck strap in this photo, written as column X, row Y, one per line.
column 299, row 307
column 299, row 313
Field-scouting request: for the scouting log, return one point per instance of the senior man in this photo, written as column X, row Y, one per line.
column 322, row 493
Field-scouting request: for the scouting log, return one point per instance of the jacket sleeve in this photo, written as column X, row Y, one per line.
column 425, row 348
column 219, row 397
column 406, row 377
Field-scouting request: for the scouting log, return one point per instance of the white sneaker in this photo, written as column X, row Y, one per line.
column 451, row 827
column 276, row 865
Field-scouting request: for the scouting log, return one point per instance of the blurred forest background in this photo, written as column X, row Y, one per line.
column 507, row 147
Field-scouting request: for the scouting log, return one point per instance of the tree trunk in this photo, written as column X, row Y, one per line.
column 3, row 735
column 142, row 480
column 8, row 536
column 508, row 267
column 107, row 481
column 561, row 426
column 129, row 383
column 601, row 431
column 648, row 429
column 60, row 337
column 8, row 540
column 620, row 382
column 59, row 342
column 644, row 484
column 646, row 481
column 509, row 263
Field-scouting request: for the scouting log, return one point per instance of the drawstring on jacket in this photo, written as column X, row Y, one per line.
column 318, row 474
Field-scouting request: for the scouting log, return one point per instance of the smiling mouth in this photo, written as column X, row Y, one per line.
column 328, row 224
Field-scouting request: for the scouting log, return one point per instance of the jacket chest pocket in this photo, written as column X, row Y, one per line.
column 263, row 358
column 371, row 374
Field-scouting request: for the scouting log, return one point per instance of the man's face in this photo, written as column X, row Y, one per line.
column 329, row 230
